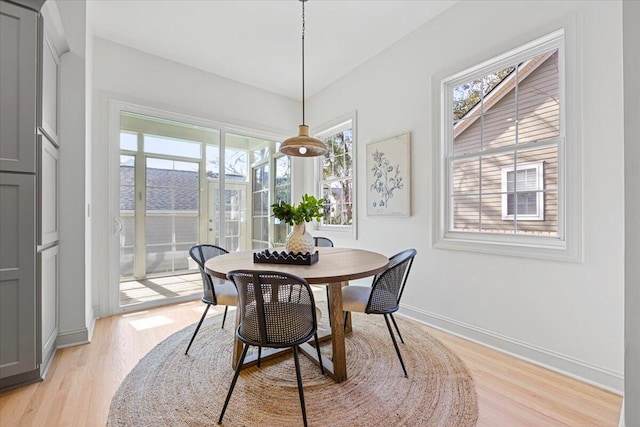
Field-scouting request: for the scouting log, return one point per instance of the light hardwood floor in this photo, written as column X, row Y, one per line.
column 82, row 380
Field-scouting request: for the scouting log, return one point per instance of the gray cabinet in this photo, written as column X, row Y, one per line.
column 29, row 189
column 18, row 74
column 18, row 351
column 48, row 304
column 48, row 173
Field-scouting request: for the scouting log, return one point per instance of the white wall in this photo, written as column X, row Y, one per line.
column 566, row 315
column 631, row 13
column 125, row 74
column 74, row 286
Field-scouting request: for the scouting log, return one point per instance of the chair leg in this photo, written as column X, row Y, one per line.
column 197, row 328
column 300, row 392
column 224, row 317
column 319, row 355
column 328, row 303
column 346, row 315
column 395, row 344
column 393, row 319
column 233, row 382
column 259, row 354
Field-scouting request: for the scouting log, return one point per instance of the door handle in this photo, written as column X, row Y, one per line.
column 117, row 225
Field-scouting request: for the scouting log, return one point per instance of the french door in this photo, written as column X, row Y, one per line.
column 180, row 185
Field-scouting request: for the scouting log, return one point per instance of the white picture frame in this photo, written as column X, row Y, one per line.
column 389, row 176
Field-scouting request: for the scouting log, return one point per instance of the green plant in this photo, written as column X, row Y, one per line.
column 307, row 210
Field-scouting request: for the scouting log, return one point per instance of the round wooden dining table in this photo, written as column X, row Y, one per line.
column 335, row 267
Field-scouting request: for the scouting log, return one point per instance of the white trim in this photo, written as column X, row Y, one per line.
column 504, row 172
column 567, row 365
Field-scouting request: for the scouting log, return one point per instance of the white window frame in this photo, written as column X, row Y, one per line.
column 339, row 124
column 567, row 246
column 539, row 215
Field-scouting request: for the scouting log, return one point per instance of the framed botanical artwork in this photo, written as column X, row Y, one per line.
column 388, row 176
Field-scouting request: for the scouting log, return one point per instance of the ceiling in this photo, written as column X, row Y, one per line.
column 259, row 42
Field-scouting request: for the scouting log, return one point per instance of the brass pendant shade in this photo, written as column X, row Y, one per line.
column 303, row 145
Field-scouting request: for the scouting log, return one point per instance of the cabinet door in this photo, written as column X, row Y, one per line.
column 18, row 349
column 48, row 269
column 18, row 62
column 48, row 172
column 50, row 65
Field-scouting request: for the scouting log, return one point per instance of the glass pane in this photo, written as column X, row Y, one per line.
column 538, row 119
column 159, row 259
column 127, row 199
column 212, row 153
column 186, row 229
column 498, row 128
column 466, row 96
column 492, row 171
column 128, row 233
column 158, row 229
column 186, row 200
column 260, row 153
column 126, row 262
column 492, row 80
column 171, row 146
column 467, row 136
column 549, row 158
column 539, row 76
column 492, row 219
column 236, row 164
column 128, row 141
column 465, row 213
column 181, row 257
column 160, row 199
column 338, row 204
column 265, row 229
column 127, row 171
column 466, row 176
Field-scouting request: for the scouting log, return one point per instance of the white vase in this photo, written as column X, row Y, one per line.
column 298, row 240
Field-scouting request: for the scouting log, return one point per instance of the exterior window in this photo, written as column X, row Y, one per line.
column 501, row 178
column 337, row 172
column 522, row 195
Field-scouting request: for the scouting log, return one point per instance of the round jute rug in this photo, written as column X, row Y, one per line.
column 167, row 388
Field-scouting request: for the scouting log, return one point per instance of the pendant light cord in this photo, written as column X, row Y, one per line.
column 303, row 28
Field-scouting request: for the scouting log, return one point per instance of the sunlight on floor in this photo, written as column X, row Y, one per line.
column 150, row 322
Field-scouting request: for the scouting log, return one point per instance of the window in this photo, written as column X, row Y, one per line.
column 502, row 181
column 522, row 195
column 337, row 174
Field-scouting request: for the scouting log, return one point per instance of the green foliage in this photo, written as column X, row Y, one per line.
column 307, row 210
column 468, row 95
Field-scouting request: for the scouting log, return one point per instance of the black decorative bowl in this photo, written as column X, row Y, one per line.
column 275, row 257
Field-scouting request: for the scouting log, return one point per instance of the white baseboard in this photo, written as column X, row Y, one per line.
column 71, row 338
column 567, row 365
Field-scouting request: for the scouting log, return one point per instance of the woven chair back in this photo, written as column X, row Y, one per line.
column 276, row 309
column 200, row 254
column 324, row 242
column 388, row 286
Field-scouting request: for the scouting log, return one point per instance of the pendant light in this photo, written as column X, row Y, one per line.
column 303, row 145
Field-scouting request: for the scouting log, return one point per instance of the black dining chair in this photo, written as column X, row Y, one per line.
column 383, row 296
column 324, row 242
column 215, row 291
column 277, row 310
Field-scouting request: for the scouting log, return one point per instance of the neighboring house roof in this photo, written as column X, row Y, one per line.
column 158, row 198
column 500, row 91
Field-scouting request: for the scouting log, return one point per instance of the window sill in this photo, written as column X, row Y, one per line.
column 519, row 246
